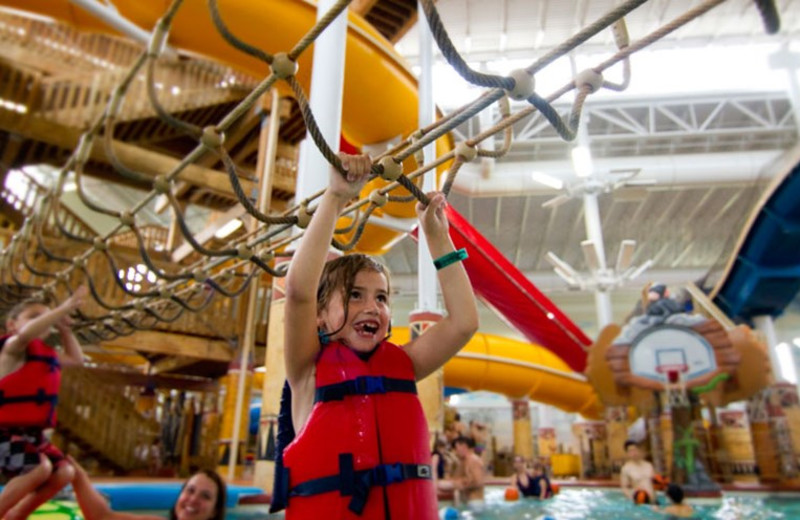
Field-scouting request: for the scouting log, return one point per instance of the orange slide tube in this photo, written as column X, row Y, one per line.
column 380, row 103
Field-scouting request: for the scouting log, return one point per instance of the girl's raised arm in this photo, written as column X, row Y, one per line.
column 305, row 270
column 442, row 341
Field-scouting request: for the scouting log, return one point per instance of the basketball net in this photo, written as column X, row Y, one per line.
column 675, row 386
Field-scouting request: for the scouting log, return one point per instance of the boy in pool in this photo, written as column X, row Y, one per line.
column 636, row 476
column 362, row 448
column 30, row 375
column 677, row 508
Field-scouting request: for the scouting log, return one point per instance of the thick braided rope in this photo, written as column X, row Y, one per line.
column 318, row 28
column 769, row 14
column 244, row 200
column 454, row 58
column 189, row 128
column 400, row 181
column 605, row 21
column 232, row 40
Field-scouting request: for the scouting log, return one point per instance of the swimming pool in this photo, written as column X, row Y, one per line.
column 607, row 504
column 601, row 504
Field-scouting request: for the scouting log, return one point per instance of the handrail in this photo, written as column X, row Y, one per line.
column 72, row 97
column 99, row 415
column 25, row 204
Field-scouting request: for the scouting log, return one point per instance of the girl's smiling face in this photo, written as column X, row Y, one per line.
column 368, row 313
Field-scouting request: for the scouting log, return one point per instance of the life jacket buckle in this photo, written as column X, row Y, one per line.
column 368, row 385
column 386, row 474
column 424, row 471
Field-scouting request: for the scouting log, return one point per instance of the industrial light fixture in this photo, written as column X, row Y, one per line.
column 582, row 160
column 590, row 255
column 625, row 255
column 547, row 180
column 228, row 228
column 786, row 362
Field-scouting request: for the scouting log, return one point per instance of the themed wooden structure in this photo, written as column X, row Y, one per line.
column 668, row 366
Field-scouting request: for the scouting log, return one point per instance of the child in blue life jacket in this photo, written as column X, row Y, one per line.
column 30, row 376
column 362, row 445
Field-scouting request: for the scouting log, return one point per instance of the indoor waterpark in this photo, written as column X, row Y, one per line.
column 229, row 230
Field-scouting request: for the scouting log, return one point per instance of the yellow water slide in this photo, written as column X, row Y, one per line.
column 517, row 369
column 379, row 104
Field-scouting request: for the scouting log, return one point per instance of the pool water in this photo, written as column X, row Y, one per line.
column 608, row 504
column 599, row 504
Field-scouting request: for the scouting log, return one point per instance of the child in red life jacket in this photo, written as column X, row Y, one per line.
column 30, row 375
column 361, row 449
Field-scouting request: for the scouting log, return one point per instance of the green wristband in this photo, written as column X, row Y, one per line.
column 450, row 258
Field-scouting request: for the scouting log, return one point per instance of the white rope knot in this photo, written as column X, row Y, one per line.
column 589, row 78
column 378, row 199
column 524, row 84
column 392, row 170
column 283, row 66
column 466, row 152
column 212, row 138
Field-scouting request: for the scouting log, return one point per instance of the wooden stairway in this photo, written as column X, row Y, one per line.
column 102, row 421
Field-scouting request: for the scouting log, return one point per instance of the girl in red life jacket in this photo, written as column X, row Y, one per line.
column 30, row 375
column 362, row 442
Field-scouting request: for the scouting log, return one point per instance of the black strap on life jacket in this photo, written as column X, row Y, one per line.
column 51, row 361
column 356, row 484
column 364, row 385
column 286, row 434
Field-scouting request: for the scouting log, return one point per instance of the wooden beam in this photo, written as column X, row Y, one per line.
column 171, row 364
column 170, row 344
column 125, row 378
column 145, row 161
column 362, row 7
column 410, row 22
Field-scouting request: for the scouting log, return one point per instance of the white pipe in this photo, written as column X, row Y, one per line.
column 426, row 273
column 594, row 232
column 514, row 178
column 325, row 99
column 766, row 326
column 111, row 17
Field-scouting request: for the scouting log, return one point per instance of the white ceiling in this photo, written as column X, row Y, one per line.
column 686, row 228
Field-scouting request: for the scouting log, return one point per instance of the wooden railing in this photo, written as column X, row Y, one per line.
column 97, row 64
column 24, row 201
column 219, row 320
column 153, row 236
column 99, row 418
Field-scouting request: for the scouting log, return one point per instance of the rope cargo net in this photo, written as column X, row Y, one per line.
column 227, row 272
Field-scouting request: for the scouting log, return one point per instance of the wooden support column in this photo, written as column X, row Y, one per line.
column 523, row 431
column 431, row 389
column 266, row 160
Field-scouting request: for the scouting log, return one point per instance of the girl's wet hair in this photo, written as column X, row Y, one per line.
column 340, row 273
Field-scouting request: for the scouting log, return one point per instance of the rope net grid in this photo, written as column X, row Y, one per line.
column 160, row 294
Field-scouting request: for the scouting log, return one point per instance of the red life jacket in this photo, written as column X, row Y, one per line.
column 28, row 396
column 364, row 450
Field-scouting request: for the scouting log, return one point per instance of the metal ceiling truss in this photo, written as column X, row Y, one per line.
column 701, row 124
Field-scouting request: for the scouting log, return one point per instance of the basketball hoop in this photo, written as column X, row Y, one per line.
column 673, row 372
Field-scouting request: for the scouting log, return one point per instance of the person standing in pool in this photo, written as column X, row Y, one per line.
column 202, row 497
column 678, row 508
column 636, row 476
column 470, row 476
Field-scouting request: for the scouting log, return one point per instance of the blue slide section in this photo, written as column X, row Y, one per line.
column 764, row 277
